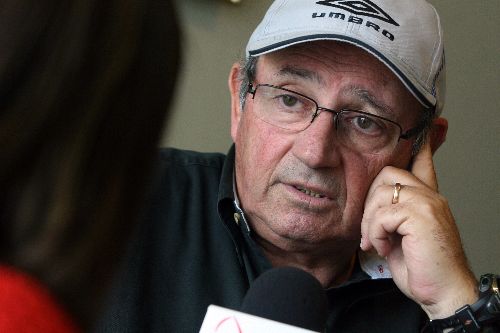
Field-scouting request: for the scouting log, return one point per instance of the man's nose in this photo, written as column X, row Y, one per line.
column 317, row 145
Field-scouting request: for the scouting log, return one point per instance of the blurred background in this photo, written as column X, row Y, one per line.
column 468, row 164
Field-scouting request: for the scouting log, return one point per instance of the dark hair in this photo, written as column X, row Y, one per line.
column 84, row 90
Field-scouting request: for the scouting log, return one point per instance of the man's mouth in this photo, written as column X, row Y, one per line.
column 309, row 192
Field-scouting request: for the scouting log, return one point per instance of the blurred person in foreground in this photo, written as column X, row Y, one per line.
column 335, row 114
column 84, row 91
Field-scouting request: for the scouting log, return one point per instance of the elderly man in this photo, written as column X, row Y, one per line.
column 335, row 116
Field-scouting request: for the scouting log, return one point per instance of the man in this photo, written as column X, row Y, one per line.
column 334, row 116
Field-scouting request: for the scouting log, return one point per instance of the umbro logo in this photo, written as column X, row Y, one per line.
column 361, row 8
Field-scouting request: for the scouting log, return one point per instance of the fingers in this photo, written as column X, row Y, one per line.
column 379, row 197
column 384, row 223
column 387, row 178
column 381, row 231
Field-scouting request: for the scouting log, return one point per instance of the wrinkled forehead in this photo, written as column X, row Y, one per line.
column 332, row 65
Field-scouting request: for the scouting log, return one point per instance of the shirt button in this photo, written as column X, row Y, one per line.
column 237, row 218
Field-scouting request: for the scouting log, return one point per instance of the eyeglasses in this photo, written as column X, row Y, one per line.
column 359, row 130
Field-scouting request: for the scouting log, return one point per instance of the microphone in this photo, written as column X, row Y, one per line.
column 281, row 300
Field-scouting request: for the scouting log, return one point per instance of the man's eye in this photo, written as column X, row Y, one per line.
column 364, row 122
column 367, row 125
column 289, row 100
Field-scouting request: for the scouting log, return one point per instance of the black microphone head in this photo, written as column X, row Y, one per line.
column 288, row 295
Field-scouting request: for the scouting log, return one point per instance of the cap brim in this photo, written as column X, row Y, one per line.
column 428, row 100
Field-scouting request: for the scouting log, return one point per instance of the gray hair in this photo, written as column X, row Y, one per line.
column 248, row 71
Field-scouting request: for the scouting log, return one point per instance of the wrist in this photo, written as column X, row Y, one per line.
column 476, row 317
column 458, row 297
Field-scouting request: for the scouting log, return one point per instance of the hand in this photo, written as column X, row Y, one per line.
column 419, row 238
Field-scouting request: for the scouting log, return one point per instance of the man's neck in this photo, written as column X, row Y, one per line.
column 331, row 266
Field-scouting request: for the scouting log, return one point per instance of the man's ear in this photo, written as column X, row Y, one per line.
column 437, row 133
column 234, row 84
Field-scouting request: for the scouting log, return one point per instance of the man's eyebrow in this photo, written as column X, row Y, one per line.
column 368, row 98
column 302, row 73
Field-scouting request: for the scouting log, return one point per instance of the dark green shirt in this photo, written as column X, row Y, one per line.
column 190, row 253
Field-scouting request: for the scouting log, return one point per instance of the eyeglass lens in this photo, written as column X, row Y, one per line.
column 359, row 130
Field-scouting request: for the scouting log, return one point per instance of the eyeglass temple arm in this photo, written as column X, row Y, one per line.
column 251, row 89
column 413, row 131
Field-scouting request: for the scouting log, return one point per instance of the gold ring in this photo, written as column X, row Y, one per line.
column 395, row 195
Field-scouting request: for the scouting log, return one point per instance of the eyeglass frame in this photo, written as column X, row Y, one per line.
column 252, row 89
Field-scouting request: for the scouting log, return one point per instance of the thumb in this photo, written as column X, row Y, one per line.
column 423, row 166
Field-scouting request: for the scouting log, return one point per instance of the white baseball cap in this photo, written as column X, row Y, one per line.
column 406, row 35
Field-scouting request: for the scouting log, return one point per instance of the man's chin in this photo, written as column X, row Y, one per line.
column 308, row 230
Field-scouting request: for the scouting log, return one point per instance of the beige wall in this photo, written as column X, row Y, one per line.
column 468, row 165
